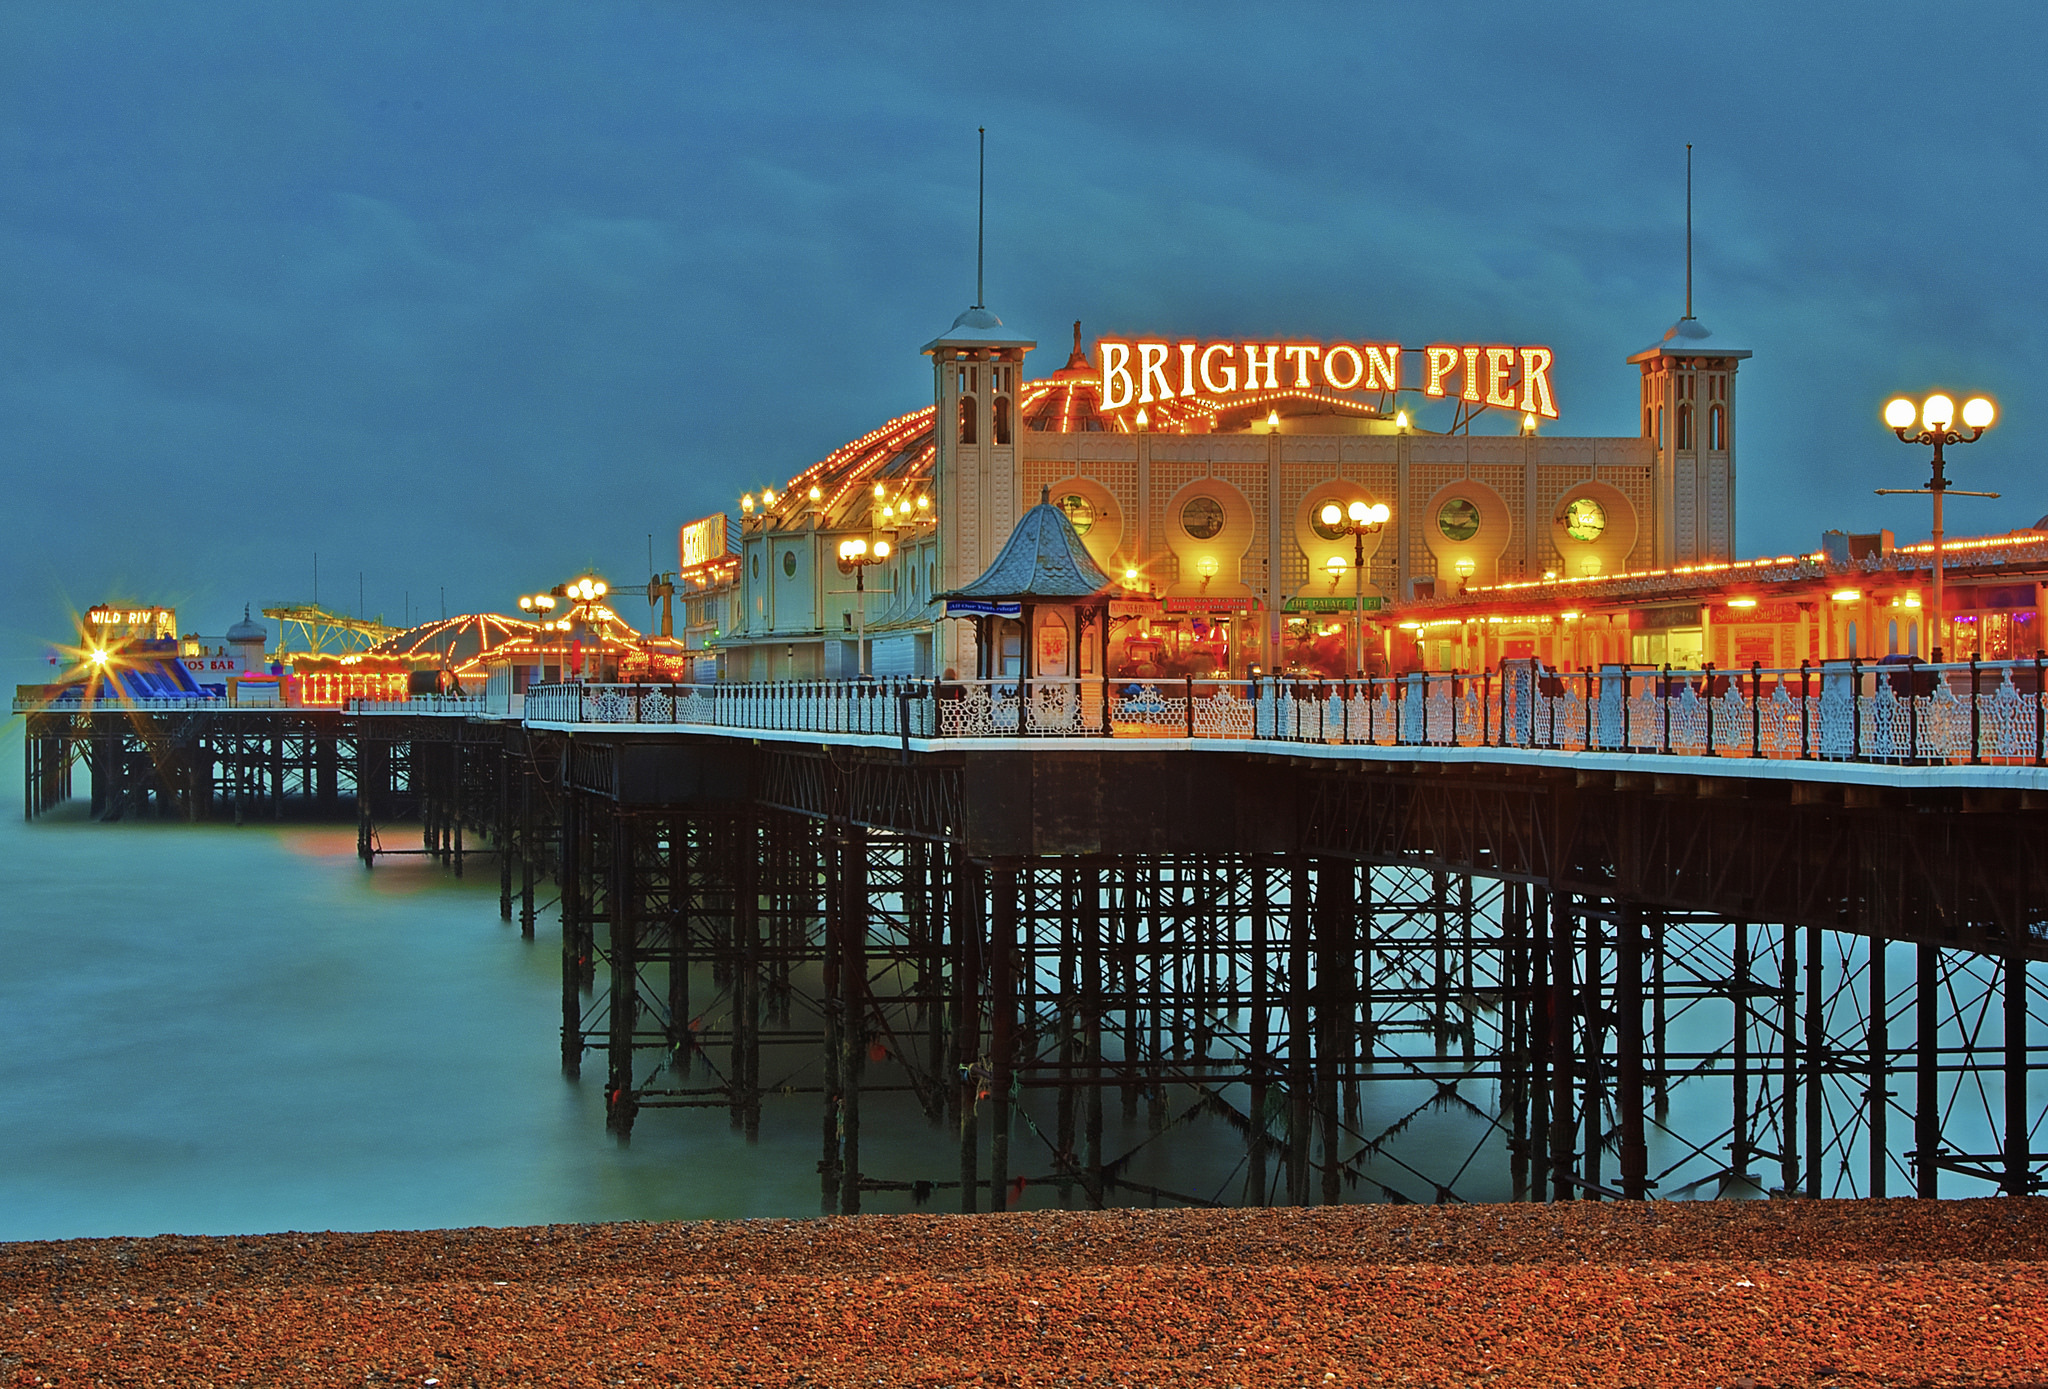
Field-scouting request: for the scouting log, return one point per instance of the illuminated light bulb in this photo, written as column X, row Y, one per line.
column 880, row 490
column 526, row 604
column 747, row 504
column 1939, row 412
column 887, row 511
column 1335, row 564
column 923, row 503
column 1742, row 602
column 1360, row 512
column 1206, row 567
column 1380, row 513
column 815, row 493
column 1846, row 595
column 767, row 497
column 1400, row 419
column 1272, row 419
column 1900, row 413
column 1130, row 576
column 881, row 549
column 1142, row 419
column 1978, row 412
column 599, row 590
column 1529, row 423
column 1332, row 513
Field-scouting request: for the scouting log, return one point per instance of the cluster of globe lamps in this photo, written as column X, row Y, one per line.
column 1932, row 422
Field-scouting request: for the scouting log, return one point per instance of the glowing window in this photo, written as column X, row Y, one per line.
column 1584, row 519
column 1080, row 511
column 1202, row 518
column 1458, row 519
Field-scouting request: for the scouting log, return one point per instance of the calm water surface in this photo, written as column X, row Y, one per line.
column 216, row 1030
column 220, row 1030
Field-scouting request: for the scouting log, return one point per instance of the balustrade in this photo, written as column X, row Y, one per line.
column 1893, row 712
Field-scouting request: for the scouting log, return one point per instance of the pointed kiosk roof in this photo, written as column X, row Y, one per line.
column 1042, row 561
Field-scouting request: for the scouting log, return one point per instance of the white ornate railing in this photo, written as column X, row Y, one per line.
column 1899, row 712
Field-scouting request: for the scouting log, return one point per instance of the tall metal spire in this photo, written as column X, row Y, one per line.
column 1688, row 229
column 981, row 214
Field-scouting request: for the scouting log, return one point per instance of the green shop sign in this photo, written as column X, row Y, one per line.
column 1372, row 604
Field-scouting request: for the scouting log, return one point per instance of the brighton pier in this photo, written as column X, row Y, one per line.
column 1130, row 813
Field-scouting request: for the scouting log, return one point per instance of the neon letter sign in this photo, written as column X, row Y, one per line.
column 1494, row 375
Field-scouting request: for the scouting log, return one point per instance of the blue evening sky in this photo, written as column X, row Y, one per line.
column 468, row 296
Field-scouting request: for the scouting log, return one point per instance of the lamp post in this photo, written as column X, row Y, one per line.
column 1358, row 521
column 1936, row 416
column 855, row 555
column 540, row 603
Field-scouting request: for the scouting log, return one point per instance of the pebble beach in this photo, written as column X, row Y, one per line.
column 1734, row 1294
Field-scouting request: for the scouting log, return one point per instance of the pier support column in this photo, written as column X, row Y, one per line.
column 1563, row 1063
column 1335, row 980
column 622, row 1101
column 853, row 981
column 1003, row 887
column 1628, row 1034
column 1927, row 1072
column 1878, row 1101
column 967, row 931
column 1300, row 1068
column 2019, row 1162
column 574, row 951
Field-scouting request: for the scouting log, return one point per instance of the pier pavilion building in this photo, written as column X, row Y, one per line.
column 1197, row 472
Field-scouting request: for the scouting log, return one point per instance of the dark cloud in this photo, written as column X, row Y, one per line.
column 468, row 295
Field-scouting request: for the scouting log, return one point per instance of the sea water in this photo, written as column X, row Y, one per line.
column 212, row 1029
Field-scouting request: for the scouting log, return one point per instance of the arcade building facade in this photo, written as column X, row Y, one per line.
column 1197, row 473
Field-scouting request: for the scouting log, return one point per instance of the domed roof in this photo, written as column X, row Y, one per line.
column 247, row 629
column 1687, row 338
column 977, row 327
column 898, row 456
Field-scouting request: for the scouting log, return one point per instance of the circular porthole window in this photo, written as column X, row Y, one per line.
column 757, row 568
column 1315, row 519
column 1202, row 518
column 789, row 563
column 1458, row 519
column 1584, row 519
column 1080, row 511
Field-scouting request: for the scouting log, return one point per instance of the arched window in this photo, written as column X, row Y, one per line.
column 1649, row 424
column 1716, row 439
column 1684, row 428
column 1002, row 420
column 966, row 419
column 1660, row 426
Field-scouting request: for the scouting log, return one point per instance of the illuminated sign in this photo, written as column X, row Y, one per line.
column 151, row 622
column 702, row 542
column 1507, row 378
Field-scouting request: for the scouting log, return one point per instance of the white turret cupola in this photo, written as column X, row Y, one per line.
column 978, row 367
column 1689, row 419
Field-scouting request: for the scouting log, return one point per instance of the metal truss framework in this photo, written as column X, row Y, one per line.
column 191, row 766
column 1446, row 986
column 1372, row 1031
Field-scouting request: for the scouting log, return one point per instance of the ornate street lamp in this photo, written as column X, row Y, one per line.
column 540, row 603
column 1358, row 521
column 1937, row 416
column 855, row 555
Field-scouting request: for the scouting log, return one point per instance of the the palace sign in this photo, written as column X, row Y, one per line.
column 1507, row 378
